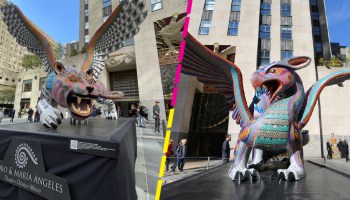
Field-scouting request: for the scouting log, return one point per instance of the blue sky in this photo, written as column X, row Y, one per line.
column 338, row 15
column 60, row 18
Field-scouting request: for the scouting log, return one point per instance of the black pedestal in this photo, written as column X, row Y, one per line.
column 97, row 160
column 319, row 183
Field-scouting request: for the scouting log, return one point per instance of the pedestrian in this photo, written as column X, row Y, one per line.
column 346, row 150
column 119, row 111
column 13, row 113
column 20, row 114
column 99, row 111
column 133, row 113
column 226, row 148
column 340, row 147
column 30, row 115
column 329, row 150
column 94, row 111
column 1, row 114
column 141, row 115
column 168, row 154
column 156, row 116
column 36, row 116
column 180, row 156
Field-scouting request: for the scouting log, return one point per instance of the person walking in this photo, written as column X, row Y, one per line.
column 30, row 115
column 180, row 156
column 329, row 150
column 133, row 113
column 156, row 116
column 168, row 154
column 340, row 147
column 13, row 113
column 346, row 150
column 1, row 114
column 141, row 115
column 226, row 149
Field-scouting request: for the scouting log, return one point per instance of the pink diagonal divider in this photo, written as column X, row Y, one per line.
column 181, row 53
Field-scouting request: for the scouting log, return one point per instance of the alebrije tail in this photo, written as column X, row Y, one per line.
column 314, row 92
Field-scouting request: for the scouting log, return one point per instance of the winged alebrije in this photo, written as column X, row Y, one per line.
column 67, row 86
column 279, row 112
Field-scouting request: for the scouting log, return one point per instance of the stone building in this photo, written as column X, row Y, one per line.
column 252, row 33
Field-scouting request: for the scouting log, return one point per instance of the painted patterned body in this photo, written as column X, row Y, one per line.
column 281, row 110
column 67, row 86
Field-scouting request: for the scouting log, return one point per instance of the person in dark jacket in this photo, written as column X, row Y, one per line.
column 329, row 150
column 30, row 114
column 168, row 154
column 346, row 150
column 340, row 147
column 226, row 148
column 180, row 156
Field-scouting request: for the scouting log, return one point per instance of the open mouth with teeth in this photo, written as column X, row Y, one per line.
column 80, row 106
column 271, row 88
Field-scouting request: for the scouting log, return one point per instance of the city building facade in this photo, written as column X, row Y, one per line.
column 11, row 55
column 136, row 69
column 252, row 34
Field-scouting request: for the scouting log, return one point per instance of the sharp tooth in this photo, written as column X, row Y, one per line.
column 79, row 109
column 79, row 100
column 88, row 108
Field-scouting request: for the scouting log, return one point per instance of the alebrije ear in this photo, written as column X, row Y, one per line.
column 59, row 68
column 299, row 62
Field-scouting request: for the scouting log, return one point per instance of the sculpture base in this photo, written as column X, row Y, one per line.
column 319, row 183
column 97, row 160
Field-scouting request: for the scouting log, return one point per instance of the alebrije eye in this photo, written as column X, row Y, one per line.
column 272, row 70
column 73, row 79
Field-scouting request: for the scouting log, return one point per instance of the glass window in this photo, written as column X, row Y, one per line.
column 106, row 11
column 86, row 12
column 156, row 5
column 233, row 28
column 105, row 18
column 317, row 30
column 314, row 2
column 286, row 32
column 209, row 5
column 86, row 6
column 236, row 6
column 204, row 27
column 318, row 46
column 87, row 38
column 264, row 57
column 27, row 85
column 86, row 1
column 286, row 10
column 264, row 31
column 315, row 15
column 106, row 3
column 86, row 32
column 128, row 42
column 86, row 25
column 286, row 54
column 265, row 9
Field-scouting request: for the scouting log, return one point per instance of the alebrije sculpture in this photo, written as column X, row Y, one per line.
column 280, row 109
column 72, row 88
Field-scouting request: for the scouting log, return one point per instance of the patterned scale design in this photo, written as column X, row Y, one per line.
column 122, row 24
column 274, row 129
column 27, row 35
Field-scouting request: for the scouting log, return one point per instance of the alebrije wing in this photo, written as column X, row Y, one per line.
column 122, row 24
column 314, row 92
column 27, row 34
column 226, row 77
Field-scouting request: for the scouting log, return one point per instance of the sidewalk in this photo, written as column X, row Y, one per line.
column 192, row 166
column 338, row 166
